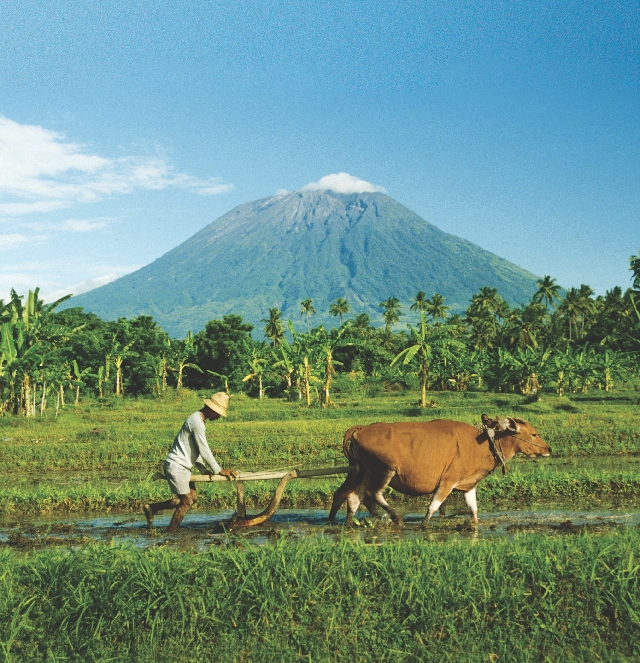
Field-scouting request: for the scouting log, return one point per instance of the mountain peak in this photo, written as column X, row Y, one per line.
column 314, row 244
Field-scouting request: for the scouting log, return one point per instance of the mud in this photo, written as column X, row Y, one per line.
column 203, row 529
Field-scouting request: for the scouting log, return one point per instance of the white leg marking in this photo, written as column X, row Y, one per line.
column 433, row 507
column 353, row 502
column 472, row 503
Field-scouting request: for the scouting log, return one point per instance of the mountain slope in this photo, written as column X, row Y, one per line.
column 312, row 244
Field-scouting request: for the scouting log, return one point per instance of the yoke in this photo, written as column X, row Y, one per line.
column 240, row 517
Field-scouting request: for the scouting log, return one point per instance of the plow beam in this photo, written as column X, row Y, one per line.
column 240, row 517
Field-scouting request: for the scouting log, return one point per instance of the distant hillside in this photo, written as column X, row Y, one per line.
column 312, row 244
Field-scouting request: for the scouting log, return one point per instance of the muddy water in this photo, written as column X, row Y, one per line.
column 202, row 529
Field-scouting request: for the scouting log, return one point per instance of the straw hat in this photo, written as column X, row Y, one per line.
column 218, row 403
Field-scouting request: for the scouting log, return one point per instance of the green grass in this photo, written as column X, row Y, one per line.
column 526, row 599
column 516, row 488
column 111, row 447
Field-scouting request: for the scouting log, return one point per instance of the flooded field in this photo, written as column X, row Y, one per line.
column 202, row 529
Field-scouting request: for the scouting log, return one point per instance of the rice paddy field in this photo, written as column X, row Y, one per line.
column 530, row 584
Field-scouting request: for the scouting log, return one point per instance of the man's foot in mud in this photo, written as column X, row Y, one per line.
column 148, row 515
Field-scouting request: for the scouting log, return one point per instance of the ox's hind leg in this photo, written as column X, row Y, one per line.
column 341, row 495
column 377, row 488
column 472, row 503
column 353, row 502
column 442, row 492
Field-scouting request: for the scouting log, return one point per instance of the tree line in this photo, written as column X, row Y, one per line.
column 565, row 341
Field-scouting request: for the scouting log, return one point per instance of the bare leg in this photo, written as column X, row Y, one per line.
column 470, row 498
column 150, row 510
column 185, row 504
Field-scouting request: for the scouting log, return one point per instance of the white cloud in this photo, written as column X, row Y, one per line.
column 282, row 192
column 49, row 278
column 344, row 183
column 15, row 240
column 90, row 284
column 40, row 171
column 82, row 225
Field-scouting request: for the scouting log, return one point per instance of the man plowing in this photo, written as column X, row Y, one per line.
column 189, row 447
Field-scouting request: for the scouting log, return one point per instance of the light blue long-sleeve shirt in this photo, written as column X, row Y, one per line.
column 190, row 445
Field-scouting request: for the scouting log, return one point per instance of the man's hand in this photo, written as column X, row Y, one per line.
column 230, row 474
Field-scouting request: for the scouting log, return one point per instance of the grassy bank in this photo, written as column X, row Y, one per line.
column 515, row 489
column 526, row 599
column 134, row 435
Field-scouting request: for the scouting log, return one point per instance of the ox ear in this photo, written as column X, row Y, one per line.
column 509, row 424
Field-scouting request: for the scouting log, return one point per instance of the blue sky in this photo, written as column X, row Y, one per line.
column 126, row 127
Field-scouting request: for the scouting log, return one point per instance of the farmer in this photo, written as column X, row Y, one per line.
column 189, row 447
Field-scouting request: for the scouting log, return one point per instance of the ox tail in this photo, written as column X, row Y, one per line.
column 347, row 445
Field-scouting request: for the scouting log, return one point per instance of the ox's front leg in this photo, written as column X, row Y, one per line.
column 442, row 492
column 472, row 503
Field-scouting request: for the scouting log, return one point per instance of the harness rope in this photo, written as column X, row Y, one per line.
column 496, row 446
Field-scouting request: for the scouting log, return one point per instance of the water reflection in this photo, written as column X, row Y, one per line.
column 201, row 529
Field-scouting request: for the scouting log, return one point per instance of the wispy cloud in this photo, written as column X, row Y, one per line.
column 90, row 284
column 344, row 183
column 52, row 277
column 41, row 171
column 82, row 225
column 14, row 240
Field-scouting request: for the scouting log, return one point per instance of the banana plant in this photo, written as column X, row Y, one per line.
column 428, row 341
column 283, row 364
column 182, row 356
column 77, row 379
column 224, row 378
column 258, row 365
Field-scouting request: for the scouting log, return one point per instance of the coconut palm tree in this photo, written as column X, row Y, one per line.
column 548, row 291
column 634, row 266
column 487, row 299
column 339, row 308
column 307, row 308
column 392, row 311
column 436, row 308
column 419, row 301
column 274, row 329
column 570, row 309
column 588, row 307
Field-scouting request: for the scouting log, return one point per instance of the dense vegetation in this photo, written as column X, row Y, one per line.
column 525, row 599
column 569, row 342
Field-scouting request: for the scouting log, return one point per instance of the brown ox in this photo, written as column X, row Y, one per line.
column 420, row 458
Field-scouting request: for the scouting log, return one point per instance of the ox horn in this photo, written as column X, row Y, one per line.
column 488, row 421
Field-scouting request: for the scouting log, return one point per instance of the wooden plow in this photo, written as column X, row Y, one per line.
column 240, row 517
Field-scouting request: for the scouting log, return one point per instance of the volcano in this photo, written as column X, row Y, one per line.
column 319, row 245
